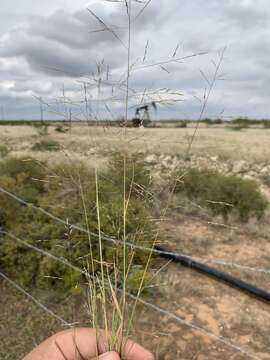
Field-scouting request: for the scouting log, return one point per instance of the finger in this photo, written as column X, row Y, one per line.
column 83, row 343
column 78, row 343
column 67, row 345
column 111, row 355
column 134, row 351
column 89, row 344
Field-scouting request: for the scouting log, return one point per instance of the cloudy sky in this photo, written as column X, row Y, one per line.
column 46, row 47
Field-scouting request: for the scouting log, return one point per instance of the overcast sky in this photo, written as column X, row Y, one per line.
column 46, row 46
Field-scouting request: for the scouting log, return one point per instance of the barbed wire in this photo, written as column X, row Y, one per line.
column 31, row 297
column 158, row 309
column 136, row 246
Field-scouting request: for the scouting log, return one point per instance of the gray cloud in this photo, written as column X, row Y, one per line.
column 247, row 15
column 69, row 41
column 42, row 48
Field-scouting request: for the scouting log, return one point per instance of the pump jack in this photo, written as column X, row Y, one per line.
column 142, row 116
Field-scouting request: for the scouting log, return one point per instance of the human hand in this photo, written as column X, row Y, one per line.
column 83, row 344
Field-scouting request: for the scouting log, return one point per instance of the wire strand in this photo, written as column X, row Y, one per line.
column 134, row 246
column 32, row 298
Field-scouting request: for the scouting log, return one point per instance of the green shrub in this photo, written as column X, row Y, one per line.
column 266, row 124
column 19, row 261
column 218, row 121
column 7, row 207
column 62, row 129
column 242, row 121
column 23, row 177
column 46, row 145
column 223, row 194
column 71, row 194
column 238, row 127
column 181, row 124
column 27, row 173
column 209, row 121
column 3, row 151
column 137, row 280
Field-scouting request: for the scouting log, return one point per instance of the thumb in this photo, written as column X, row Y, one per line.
column 111, row 355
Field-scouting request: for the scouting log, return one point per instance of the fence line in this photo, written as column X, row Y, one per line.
column 131, row 245
column 223, row 340
column 37, row 302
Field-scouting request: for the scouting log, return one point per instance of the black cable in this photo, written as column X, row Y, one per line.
column 219, row 275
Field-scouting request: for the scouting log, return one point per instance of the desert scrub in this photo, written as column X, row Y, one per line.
column 41, row 127
column 181, row 124
column 238, row 127
column 68, row 191
column 46, row 145
column 136, row 278
column 266, row 124
column 223, row 195
column 3, row 151
column 25, row 175
column 62, row 128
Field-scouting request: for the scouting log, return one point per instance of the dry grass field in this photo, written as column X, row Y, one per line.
column 248, row 144
column 196, row 305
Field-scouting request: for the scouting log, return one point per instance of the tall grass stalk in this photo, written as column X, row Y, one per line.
column 103, row 291
column 125, row 204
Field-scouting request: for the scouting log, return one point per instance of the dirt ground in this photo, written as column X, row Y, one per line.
column 204, row 319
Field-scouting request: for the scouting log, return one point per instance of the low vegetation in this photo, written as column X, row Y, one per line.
column 46, row 145
column 266, row 124
column 238, row 127
column 3, row 151
column 42, row 128
column 223, row 195
column 69, row 192
column 62, row 128
column 181, row 124
column 208, row 121
column 61, row 125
